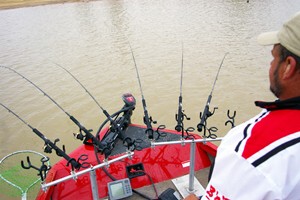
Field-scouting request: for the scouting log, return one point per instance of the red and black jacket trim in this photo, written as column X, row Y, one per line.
column 259, row 129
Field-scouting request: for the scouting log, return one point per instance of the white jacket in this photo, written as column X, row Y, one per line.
column 260, row 159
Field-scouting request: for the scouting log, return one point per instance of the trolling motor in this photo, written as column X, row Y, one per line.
column 118, row 127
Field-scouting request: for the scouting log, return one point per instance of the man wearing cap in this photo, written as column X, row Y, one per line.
column 260, row 159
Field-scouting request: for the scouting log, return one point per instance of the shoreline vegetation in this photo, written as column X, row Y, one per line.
column 11, row 4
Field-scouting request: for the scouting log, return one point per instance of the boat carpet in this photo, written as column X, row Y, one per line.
column 138, row 133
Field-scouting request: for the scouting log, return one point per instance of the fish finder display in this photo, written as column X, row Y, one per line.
column 119, row 189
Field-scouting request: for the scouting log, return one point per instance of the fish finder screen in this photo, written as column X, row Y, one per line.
column 117, row 189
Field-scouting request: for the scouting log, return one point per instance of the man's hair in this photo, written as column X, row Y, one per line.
column 284, row 53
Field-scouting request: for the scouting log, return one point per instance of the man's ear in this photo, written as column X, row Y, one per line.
column 290, row 67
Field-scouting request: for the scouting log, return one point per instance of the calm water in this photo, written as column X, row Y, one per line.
column 91, row 39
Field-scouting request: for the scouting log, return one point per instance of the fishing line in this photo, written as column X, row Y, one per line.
column 206, row 113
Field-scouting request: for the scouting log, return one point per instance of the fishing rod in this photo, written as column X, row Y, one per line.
column 123, row 121
column 49, row 145
column 127, row 98
column 104, row 111
column 147, row 120
column 206, row 113
column 88, row 135
column 180, row 115
column 129, row 101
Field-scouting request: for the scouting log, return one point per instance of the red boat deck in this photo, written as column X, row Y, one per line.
column 161, row 163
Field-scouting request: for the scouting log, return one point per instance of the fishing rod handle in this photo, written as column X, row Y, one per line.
column 58, row 151
column 113, row 122
column 76, row 121
column 201, row 125
column 179, row 116
column 41, row 135
column 204, row 115
column 149, row 132
column 49, row 145
column 74, row 163
column 144, row 104
column 147, row 119
column 209, row 99
column 88, row 135
column 87, row 132
column 178, row 127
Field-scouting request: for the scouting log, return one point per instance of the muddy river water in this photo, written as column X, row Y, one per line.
column 92, row 40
